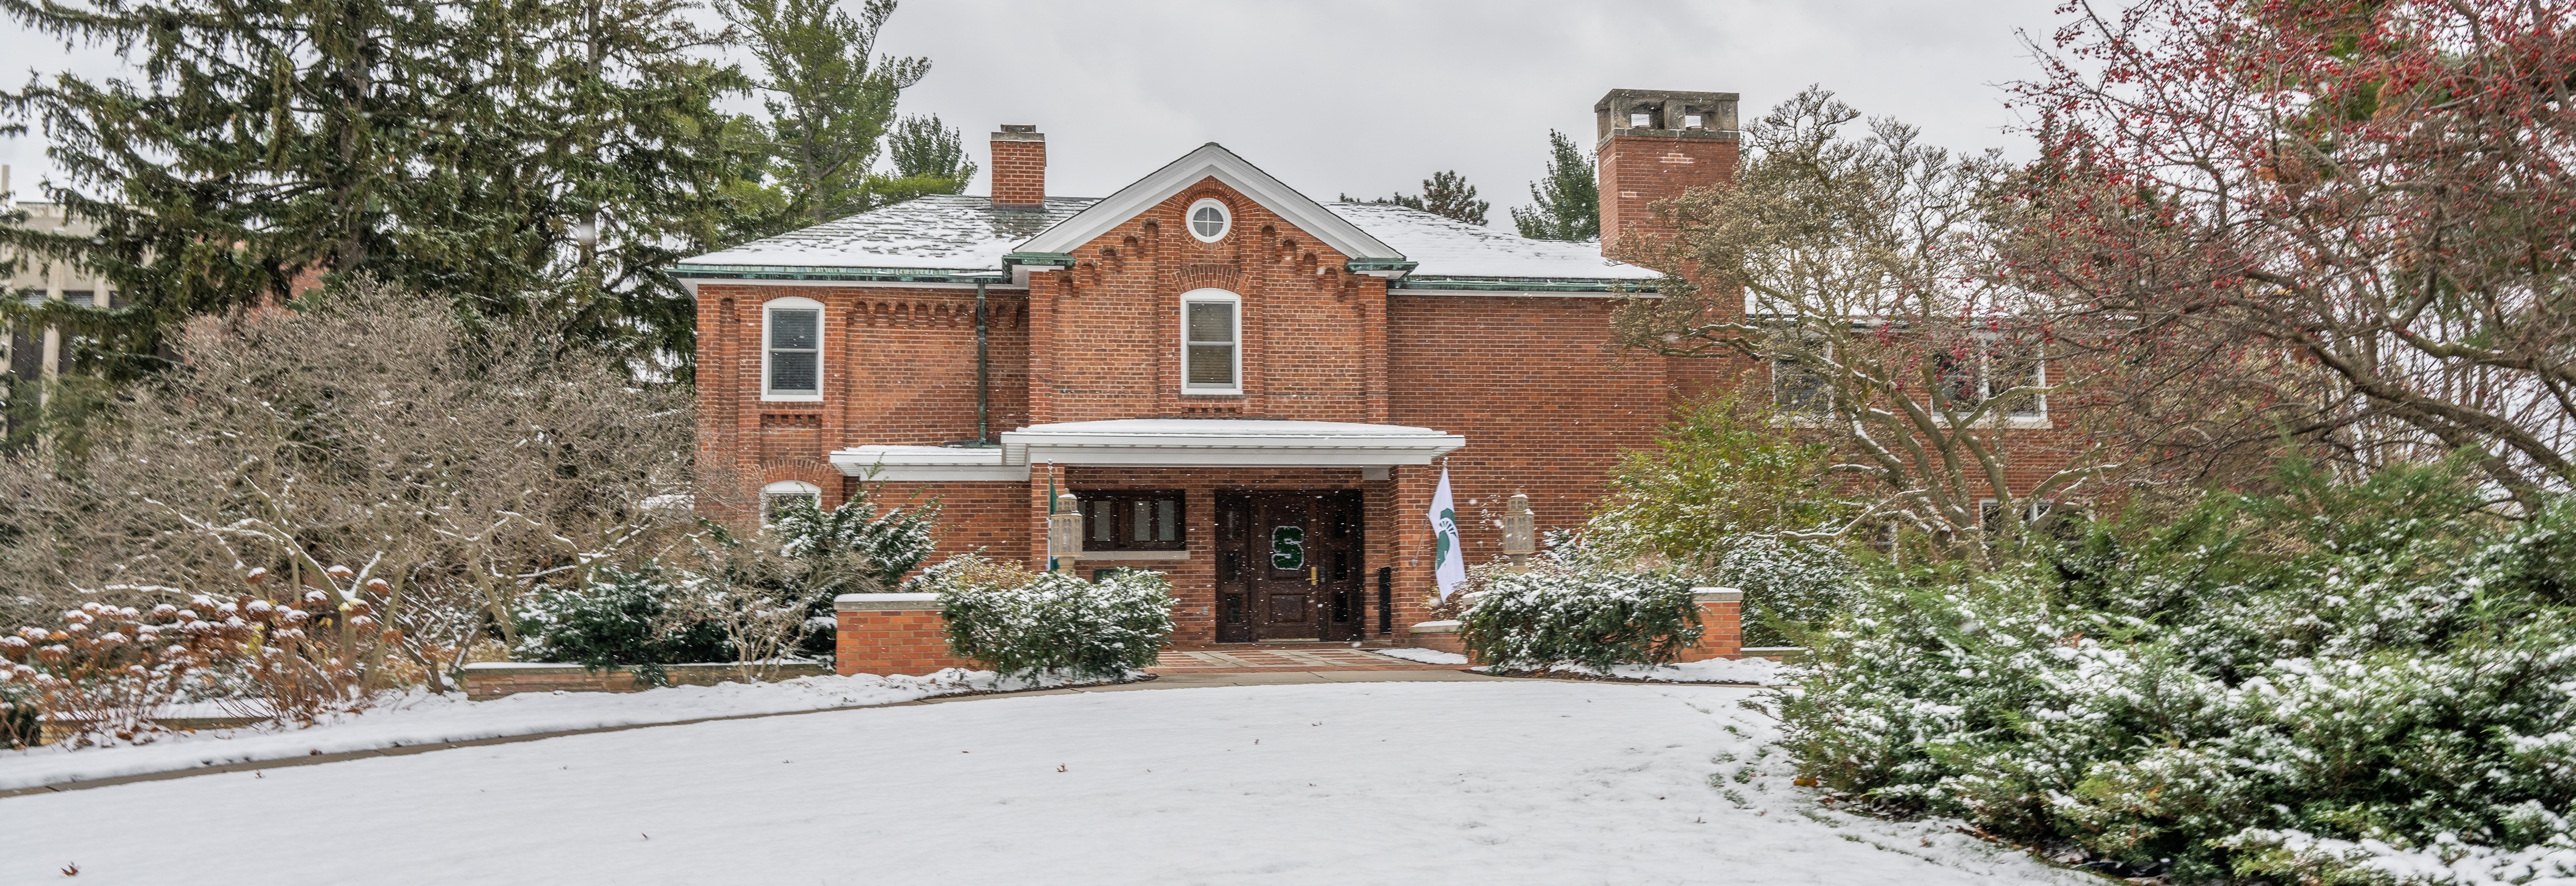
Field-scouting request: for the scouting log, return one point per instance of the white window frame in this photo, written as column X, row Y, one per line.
column 822, row 344
column 770, row 494
column 1189, row 220
column 1211, row 296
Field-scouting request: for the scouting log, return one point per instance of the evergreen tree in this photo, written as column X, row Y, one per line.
column 830, row 103
column 1445, row 194
column 1569, row 200
column 462, row 151
column 922, row 147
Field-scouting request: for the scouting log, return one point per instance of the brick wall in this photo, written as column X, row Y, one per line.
column 898, row 367
column 894, row 641
column 1545, row 410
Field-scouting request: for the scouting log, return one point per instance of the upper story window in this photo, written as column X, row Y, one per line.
column 792, row 356
column 1211, row 342
column 1209, row 219
column 1798, row 391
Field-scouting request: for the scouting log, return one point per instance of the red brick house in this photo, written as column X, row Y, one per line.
column 1205, row 358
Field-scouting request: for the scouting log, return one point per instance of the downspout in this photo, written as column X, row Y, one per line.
column 983, row 374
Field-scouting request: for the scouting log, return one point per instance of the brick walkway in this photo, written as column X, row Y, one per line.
column 1253, row 659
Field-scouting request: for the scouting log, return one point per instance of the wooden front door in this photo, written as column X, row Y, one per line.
column 1288, row 566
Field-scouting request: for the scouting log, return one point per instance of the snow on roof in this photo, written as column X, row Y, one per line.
column 967, row 233
column 945, row 232
column 1446, row 247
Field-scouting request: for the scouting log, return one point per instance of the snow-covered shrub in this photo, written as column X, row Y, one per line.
column 892, row 543
column 1023, row 623
column 1790, row 587
column 2336, row 684
column 850, row 549
column 620, row 618
column 1571, row 608
column 106, row 672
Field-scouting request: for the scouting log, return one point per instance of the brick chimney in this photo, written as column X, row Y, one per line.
column 1019, row 165
column 1653, row 145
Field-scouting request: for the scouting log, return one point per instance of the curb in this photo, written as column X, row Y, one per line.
column 407, row 750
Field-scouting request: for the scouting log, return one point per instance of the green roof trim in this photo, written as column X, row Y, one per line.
column 1038, row 259
column 860, row 275
column 1362, row 265
column 1522, row 284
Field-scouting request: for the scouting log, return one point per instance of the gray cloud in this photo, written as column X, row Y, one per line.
column 1369, row 98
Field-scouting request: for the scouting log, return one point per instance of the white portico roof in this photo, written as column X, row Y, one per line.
column 1160, row 442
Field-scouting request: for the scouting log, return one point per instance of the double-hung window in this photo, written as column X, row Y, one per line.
column 792, row 350
column 1211, row 342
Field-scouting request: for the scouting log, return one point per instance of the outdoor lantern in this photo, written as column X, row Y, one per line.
column 1520, row 531
column 1064, row 529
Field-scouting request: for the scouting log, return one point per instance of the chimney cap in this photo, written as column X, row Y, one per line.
column 1019, row 132
column 1666, row 113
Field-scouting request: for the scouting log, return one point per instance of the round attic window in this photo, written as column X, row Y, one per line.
column 1209, row 220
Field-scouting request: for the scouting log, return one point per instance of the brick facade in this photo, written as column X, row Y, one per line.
column 1094, row 334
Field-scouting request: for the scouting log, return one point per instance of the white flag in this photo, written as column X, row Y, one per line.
column 1448, row 563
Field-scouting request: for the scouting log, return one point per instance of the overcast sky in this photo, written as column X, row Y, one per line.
column 1371, row 97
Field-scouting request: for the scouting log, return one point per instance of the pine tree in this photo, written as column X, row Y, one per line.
column 1569, row 200
column 830, row 103
column 1445, row 194
column 922, row 147
column 453, row 149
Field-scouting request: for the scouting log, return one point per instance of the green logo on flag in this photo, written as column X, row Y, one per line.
column 1448, row 526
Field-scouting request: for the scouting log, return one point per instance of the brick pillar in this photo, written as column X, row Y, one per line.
column 1721, row 619
column 891, row 634
column 1653, row 145
column 1019, row 166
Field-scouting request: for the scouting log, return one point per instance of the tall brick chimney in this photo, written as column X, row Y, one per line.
column 1654, row 144
column 1019, row 165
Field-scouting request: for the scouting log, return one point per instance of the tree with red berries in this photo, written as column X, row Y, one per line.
column 2346, row 223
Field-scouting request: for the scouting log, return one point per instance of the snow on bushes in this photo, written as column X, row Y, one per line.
column 2339, row 684
column 1022, row 623
column 108, row 671
column 1569, row 608
column 1790, row 587
column 621, row 618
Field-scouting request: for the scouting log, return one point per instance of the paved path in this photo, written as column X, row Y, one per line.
column 1197, row 674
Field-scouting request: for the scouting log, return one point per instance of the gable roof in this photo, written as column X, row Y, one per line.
column 966, row 239
column 1212, row 160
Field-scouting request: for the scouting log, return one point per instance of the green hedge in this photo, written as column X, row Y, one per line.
column 1022, row 624
column 1581, row 614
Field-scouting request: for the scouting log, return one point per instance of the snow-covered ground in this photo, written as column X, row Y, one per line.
column 1411, row 783
column 427, row 719
column 1747, row 671
column 1425, row 656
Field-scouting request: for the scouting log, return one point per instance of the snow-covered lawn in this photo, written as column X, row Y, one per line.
column 428, row 719
column 1412, row 783
column 1748, row 671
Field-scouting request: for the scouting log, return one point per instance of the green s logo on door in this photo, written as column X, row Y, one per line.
column 1288, row 547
